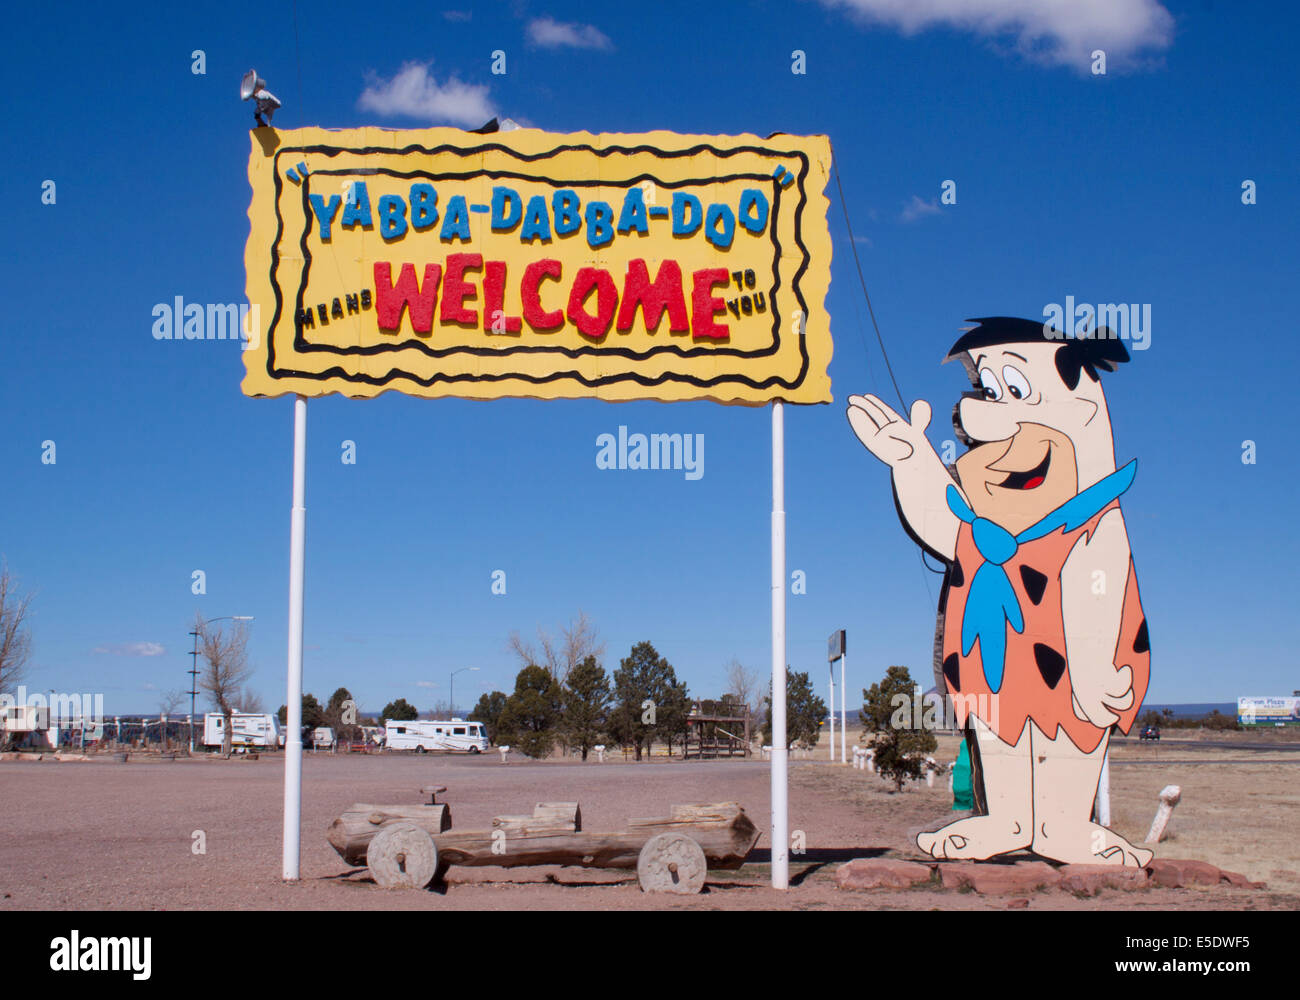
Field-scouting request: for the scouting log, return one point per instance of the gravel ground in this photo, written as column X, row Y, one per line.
column 99, row 835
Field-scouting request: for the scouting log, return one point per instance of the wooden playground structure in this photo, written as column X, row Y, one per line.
column 711, row 734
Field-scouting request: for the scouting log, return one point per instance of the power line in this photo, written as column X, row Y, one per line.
column 853, row 245
column 862, row 281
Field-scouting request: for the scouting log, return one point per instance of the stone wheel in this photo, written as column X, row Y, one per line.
column 402, row 856
column 671, row 862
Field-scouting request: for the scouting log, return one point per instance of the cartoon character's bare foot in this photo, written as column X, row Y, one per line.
column 975, row 838
column 1127, row 856
column 1090, row 844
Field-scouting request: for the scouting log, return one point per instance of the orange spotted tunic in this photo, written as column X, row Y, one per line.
column 1036, row 679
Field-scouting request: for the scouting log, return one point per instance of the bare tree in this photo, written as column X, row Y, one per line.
column 578, row 640
column 225, row 669
column 15, row 637
column 169, row 701
column 248, row 700
column 742, row 684
column 441, row 709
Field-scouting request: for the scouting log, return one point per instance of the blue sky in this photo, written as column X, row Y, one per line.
column 1122, row 187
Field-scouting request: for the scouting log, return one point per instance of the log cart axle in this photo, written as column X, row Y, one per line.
column 410, row 846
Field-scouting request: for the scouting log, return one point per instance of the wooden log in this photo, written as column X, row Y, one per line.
column 709, row 812
column 547, row 817
column 1170, row 796
column 350, row 834
column 723, row 831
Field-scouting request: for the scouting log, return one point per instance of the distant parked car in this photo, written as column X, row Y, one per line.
column 1149, row 733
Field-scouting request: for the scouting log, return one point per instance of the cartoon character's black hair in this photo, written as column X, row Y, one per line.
column 1101, row 350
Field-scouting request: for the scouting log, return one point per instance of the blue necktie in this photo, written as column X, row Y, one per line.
column 992, row 603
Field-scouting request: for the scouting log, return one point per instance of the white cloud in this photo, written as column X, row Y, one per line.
column 919, row 209
column 414, row 93
column 1063, row 32
column 133, row 649
column 425, row 684
column 460, row 16
column 552, row 34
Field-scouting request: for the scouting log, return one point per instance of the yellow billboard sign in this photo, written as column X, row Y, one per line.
column 438, row 262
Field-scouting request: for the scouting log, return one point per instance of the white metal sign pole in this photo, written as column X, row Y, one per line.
column 780, row 748
column 832, row 671
column 844, row 718
column 1103, row 791
column 293, row 738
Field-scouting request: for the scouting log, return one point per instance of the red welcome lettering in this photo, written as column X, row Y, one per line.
column 455, row 289
column 588, row 325
column 705, row 305
column 530, row 293
column 494, row 297
column 391, row 302
column 665, row 292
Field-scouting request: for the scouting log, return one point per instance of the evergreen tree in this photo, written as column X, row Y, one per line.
column 804, row 711
column 643, row 687
column 488, row 711
column 532, row 714
column 335, row 710
column 586, row 705
column 400, row 710
column 899, row 740
column 312, row 714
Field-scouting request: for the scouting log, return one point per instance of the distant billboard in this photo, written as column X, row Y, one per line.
column 1268, row 711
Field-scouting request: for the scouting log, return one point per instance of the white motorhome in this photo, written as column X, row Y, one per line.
column 423, row 735
column 247, row 729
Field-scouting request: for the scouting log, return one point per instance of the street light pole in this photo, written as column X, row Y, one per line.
column 194, row 665
column 452, row 693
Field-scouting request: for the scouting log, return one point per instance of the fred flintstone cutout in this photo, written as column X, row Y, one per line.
column 1044, row 643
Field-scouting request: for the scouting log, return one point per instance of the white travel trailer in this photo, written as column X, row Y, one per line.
column 247, row 729
column 423, row 735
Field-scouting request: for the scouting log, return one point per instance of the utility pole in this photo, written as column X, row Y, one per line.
column 194, row 665
column 194, row 683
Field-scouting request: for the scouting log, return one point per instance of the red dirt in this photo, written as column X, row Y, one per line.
column 101, row 835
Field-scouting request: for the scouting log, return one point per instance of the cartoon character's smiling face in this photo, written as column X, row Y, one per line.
column 1019, row 481
column 1034, row 440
